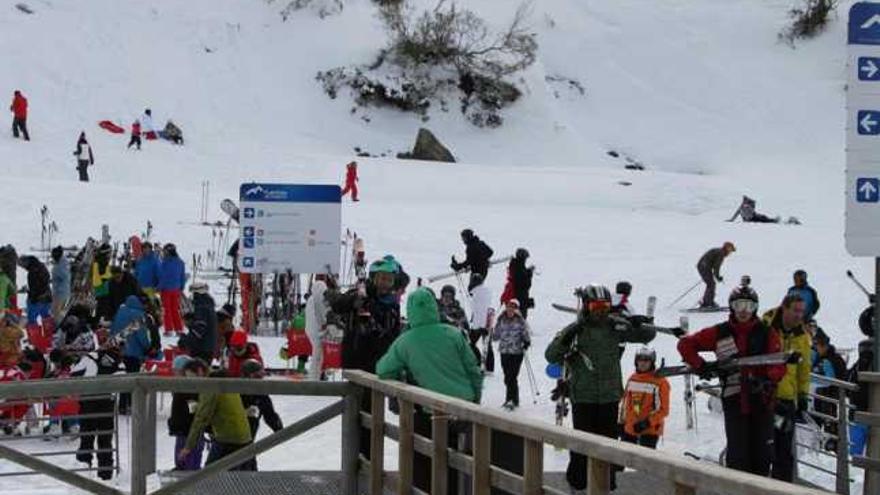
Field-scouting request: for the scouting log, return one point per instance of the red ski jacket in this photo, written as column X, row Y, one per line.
column 19, row 107
column 136, row 129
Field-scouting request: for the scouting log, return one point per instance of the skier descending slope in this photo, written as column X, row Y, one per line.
column 748, row 394
column 709, row 268
column 589, row 350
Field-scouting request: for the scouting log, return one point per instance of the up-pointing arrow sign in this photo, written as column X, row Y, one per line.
column 871, row 22
column 867, row 190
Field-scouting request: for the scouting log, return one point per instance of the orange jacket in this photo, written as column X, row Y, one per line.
column 646, row 397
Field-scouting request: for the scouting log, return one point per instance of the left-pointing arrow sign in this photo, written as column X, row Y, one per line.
column 868, row 122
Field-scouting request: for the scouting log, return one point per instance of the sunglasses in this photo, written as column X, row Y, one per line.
column 743, row 305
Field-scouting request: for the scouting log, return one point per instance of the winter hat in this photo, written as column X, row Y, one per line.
column 447, row 289
column 513, row 302
column 180, row 362
column 238, row 339
column 57, row 253
column 467, row 234
column 199, row 288
column 522, row 254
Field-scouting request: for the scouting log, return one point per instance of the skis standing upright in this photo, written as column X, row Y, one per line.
column 690, row 397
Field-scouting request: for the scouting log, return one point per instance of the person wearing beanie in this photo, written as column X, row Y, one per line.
column 183, row 405
column 512, row 334
column 240, row 350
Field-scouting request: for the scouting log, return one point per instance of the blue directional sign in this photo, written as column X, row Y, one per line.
column 867, row 190
column 869, row 68
column 868, row 122
column 864, row 24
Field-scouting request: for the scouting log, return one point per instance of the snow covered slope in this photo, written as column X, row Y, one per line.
column 698, row 90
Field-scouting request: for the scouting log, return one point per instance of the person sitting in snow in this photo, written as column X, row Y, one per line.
column 173, row 133
column 747, row 210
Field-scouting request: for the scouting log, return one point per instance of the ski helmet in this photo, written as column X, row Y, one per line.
column 743, row 295
column 384, row 265
column 447, row 289
column 624, row 288
column 522, row 254
column 647, row 354
column 595, row 292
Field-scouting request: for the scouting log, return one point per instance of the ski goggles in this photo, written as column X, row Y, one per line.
column 743, row 305
column 598, row 306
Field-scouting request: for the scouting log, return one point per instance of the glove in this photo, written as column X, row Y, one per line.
column 641, row 425
column 720, row 278
column 708, row 371
column 526, row 345
column 678, row 332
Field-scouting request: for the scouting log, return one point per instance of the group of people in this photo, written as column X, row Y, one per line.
column 142, row 127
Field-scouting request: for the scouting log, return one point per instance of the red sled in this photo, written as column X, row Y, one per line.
column 151, row 135
column 111, row 127
column 298, row 343
column 332, row 356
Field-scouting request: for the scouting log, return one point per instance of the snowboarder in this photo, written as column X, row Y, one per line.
column 709, row 268
column 172, row 279
column 477, row 255
column 60, row 282
column 747, row 394
column 807, row 293
column 19, row 109
column 512, row 334
column 519, row 282
column 645, row 402
column 135, row 135
column 748, row 213
column 588, row 349
column 792, row 392
column 173, row 133
column 351, row 180
column 84, row 157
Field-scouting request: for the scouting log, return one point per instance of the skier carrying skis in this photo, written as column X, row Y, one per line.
column 709, row 268
column 477, row 256
column 807, row 293
column 351, row 180
column 519, row 282
column 748, row 394
column 512, row 334
column 84, row 157
column 792, row 392
column 19, row 109
column 588, row 349
column 645, row 402
column 135, row 135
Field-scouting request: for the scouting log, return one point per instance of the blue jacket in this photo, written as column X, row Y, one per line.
column 146, row 270
column 810, row 297
column 137, row 342
column 172, row 274
column 61, row 280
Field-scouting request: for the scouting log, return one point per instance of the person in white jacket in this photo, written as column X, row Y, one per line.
column 316, row 319
column 482, row 316
column 147, row 128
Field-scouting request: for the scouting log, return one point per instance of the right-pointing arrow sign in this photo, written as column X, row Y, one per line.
column 868, row 68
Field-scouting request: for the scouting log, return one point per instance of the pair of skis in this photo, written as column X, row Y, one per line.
column 447, row 275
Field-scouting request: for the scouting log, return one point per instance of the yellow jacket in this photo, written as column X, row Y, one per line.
column 796, row 382
column 101, row 281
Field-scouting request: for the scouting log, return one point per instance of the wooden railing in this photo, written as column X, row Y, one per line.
column 871, row 461
column 686, row 476
column 143, row 424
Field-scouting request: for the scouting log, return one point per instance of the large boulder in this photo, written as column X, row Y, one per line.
column 428, row 147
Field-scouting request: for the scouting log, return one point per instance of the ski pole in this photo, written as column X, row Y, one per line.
column 532, row 381
column 852, row 277
column 673, row 303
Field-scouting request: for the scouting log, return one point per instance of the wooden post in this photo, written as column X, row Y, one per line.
column 150, row 433
column 533, row 474
column 377, row 443
column 440, row 460
column 872, row 478
column 405, row 448
column 139, row 432
column 684, row 489
column 598, row 477
column 842, row 477
column 351, row 435
column 482, row 481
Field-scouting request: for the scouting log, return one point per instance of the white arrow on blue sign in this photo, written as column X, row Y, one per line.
column 869, row 68
column 869, row 122
column 864, row 24
column 867, row 190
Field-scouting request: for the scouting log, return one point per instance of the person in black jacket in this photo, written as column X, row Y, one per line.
column 84, row 157
column 477, row 256
column 39, row 291
column 98, row 424
column 122, row 284
column 258, row 406
column 521, row 278
column 201, row 339
column 183, row 406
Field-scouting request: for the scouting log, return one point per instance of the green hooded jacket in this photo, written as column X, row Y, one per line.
column 593, row 356
column 434, row 355
column 227, row 417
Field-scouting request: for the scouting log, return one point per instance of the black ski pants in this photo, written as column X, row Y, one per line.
column 783, row 441
column 82, row 166
column 600, row 419
column 132, row 365
column 89, row 428
column 20, row 125
column 220, row 450
column 511, row 364
column 709, row 279
column 135, row 141
column 749, row 438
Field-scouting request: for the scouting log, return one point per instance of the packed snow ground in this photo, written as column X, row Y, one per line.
column 701, row 92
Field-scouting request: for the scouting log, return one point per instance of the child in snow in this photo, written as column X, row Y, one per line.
column 512, row 334
column 240, row 350
column 135, row 134
column 351, row 180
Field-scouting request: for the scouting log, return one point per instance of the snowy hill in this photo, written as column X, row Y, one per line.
column 699, row 91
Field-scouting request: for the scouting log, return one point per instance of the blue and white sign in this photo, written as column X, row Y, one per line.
column 867, row 190
column 293, row 227
column 862, row 130
column 868, row 122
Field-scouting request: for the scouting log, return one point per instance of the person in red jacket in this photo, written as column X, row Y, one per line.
column 240, row 350
column 135, row 135
column 19, row 110
column 748, row 394
column 351, row 180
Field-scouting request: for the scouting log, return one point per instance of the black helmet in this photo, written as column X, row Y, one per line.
column 743, row 292
column 447, row 289
column 522, row 254
column 594, row 292
column 170, row 249
column 623, row 287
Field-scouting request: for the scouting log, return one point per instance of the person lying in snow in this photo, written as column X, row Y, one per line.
column 749, row 214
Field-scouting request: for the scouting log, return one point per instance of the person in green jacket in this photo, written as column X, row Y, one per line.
column 437, row 357
column 588, row 351
column 226, row 415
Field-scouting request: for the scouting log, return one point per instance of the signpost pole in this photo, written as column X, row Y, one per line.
column 876, row 313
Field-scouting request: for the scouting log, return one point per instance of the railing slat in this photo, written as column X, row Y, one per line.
column 482, row 460
column 440, row 457
column 57, row 472
column 598, row 477
column 377, row 442
column 533, row 474
column 405, row 449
